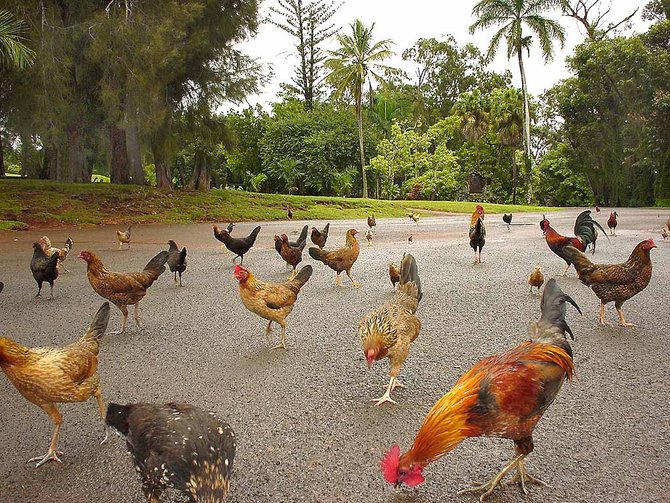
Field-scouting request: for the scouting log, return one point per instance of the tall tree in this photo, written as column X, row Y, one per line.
column 309, row 23
column 507, row 119
column 513, row 15
column 473, row 111
column 351, row 65
column 590, row 14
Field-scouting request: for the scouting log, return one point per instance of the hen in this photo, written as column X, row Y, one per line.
column 177, row 446
column 62, row 252
column 372, row 222
column 536, row 279
column 44, row 268
column 176, row 260
column 271, row 301
column 218, row 235
column 388, row 331
column 341, row 259
column 585, row 233
column 665, row 233
column 302, row 239
column 369, row 236
column 612, row 222
column 414, row 217
column 239, row 246
column 319, row 238
column 616, row 283
column 292, row 255
column 507, row 218
column 289, row 214
column 124, row 237
column 504, row 396
column 123, row 289
column 477, row 232
column 394, row 274
column 47, row 376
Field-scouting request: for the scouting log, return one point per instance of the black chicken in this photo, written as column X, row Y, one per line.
column 299, row 243
column 177, row 446
column 507, row 218
column 176, row 260
column 239, row 246
column 44, row 268
column 319, row 238
column 477, row 233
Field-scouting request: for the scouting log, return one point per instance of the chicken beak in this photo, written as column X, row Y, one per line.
column 397, row 484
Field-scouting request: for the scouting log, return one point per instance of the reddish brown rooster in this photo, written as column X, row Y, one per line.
column 612, row 222
column 618, row 282
column 585, row 233
column 501, row 396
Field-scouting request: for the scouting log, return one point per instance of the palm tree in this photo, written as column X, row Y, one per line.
column 473, row 111
column 507, row 119
column 350, row 67
column 13, row 52
column 513, row 15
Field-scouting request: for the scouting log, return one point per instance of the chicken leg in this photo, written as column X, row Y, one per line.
column 601, row 316
column 52, row 454
column 565, row 272
column 136, row 315
column 124, row 310
column 103, row 412
column 282, row 342
column 353, row 282
column 622, row 320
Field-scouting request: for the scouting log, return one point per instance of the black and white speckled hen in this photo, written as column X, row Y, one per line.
column 178, row 446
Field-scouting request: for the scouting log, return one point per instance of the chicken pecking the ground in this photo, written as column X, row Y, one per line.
column 585, row 235
column 177, row 446
column 176, row 260
column 123, row 289
column 62, row 252
column 271, row 301
column 124, row 237
column 342, row 259
column 318, row 237
column 477, row 233
column 44, row 268
column 615, row 283
column 387, row 332
column 503, row 396
column 47, row 376
column 536, row 279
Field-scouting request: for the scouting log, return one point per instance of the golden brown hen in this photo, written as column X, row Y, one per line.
column 394, row 274
column 536, row 279
column 387, row 332
column 341, row 259
column 47, row 376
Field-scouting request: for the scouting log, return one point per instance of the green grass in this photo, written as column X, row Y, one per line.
column 44, row 203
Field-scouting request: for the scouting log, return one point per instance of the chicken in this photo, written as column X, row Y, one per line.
column 597, row 209
column 124, row 237
column 319, row 238
column 123, row 289
column 536, row 279
column 414, row 217
column 504, row 396
column 44, row 268
column 177, row 446
column 230, row 227
column 369, row 236
column 239, row 246
column 176, row 260
column 389, row 330
column 218, row 235
column 62, row 252
column 341, row 259
column 271, row 301
column 612, row 222
column 585, row 233
column 372, row 222
column 302, row 239
column 47, row 376
column 409, row 240
column 394, row 274
column 507, row 219
column 665, row 233
column 477, row 232
column 289, row 214
column 292, row 255
column 2, row 286
column 616, row 283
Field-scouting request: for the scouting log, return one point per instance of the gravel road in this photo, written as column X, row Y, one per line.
column 305, row 426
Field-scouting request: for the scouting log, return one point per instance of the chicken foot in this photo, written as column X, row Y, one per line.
column 136, row 315
column 124, row 311
column 565, row 272
column 601, row 316
column 353, row 282
column 622, row 320
column 522, row 476
column 52, row 454
column 386, row 397
column 282, row 342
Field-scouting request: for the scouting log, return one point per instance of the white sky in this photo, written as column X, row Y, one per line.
column 405, row 22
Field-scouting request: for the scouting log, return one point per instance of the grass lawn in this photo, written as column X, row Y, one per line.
column 26, row 203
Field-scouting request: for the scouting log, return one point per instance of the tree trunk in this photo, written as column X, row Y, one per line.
column 2, row 158
column 135, row 167
column 49, row 161
column 526, row 126
column 159, row 152
column 200, row 178
column 514, row 175
column 75, row 165
column 118, row 169
column 359, row 117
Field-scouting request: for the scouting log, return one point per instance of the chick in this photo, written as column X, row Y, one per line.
column 536, row 279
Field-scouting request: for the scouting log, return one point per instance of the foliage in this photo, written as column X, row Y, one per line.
column 13, row 51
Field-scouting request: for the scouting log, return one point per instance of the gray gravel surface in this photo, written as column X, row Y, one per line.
column 306, row 428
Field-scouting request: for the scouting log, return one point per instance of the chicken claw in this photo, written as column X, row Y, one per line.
column 622, row 320
column 384, row 398
column 49, row 456
column 521, row 477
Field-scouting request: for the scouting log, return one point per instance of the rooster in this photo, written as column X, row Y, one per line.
column 536, row 279
column 507, row 218
column 271, row 301
column 62, row 252
column 47, row 376
column 477, row 232
column 44, row 268
column 369, row 236
column 124, row 237
column 123, row 289
column 585, row 233
column 504, row 396
column 618, row 282
column 319, row 238
column 612, row 222
column 372, row 222
column 176, row 260
column 394, row 274
column 239, row 246
column 389, row 330
column 177, row 446
column 342, row 259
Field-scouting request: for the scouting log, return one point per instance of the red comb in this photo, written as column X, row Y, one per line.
column 389, row 464
column 237, row 269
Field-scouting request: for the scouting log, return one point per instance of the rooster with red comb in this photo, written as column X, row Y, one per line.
column 504, row 396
